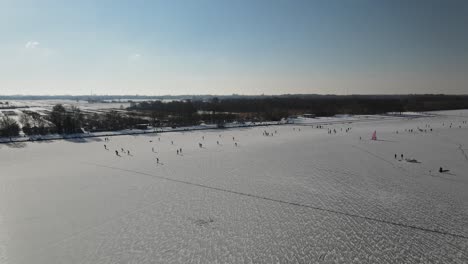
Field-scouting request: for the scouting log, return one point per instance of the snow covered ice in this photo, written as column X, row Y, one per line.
column 300, row 195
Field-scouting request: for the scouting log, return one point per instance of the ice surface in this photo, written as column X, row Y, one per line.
column 299, row 196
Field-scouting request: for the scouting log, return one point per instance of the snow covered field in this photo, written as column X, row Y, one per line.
column 300, row 196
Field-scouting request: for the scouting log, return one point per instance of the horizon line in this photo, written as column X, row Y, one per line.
column 226, row 95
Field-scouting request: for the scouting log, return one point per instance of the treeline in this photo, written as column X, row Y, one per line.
column 8, row 127
column 215, row 110
column 276, row 108
column 67, row 120
column 332, row 105
column 72, row 120
column 180, row 113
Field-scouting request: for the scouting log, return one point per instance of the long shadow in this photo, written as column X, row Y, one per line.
column 83, row 139
column 448, row 173
column 16, row 145
column 383, row 140
column 147, row 134
column 42, row 141
column 412, row 161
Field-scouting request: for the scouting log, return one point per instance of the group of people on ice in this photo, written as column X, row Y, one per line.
column 267, row 134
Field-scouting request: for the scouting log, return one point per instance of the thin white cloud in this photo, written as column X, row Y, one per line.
column 135, row 56
column 31, row 44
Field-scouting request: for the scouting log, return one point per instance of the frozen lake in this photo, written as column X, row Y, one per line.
column 302, row 195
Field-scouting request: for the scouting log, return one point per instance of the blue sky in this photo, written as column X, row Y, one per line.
column 224, row 47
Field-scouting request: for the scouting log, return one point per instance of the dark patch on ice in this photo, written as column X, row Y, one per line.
column 201, row 221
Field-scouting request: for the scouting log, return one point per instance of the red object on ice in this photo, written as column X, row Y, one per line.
column 374, row 135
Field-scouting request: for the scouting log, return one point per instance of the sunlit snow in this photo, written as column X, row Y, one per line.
column 299, row 195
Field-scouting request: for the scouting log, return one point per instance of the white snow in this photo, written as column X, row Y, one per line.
column 299, row 196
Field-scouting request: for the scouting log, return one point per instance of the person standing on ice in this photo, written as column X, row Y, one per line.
column 117, row 153
column 105, row 147
column 177, row 152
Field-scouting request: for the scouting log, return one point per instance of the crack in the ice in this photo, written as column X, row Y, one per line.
column 441, row 232
column 379, row 157
column 460, row 147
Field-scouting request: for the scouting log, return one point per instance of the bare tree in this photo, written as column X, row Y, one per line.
column 8, row 127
